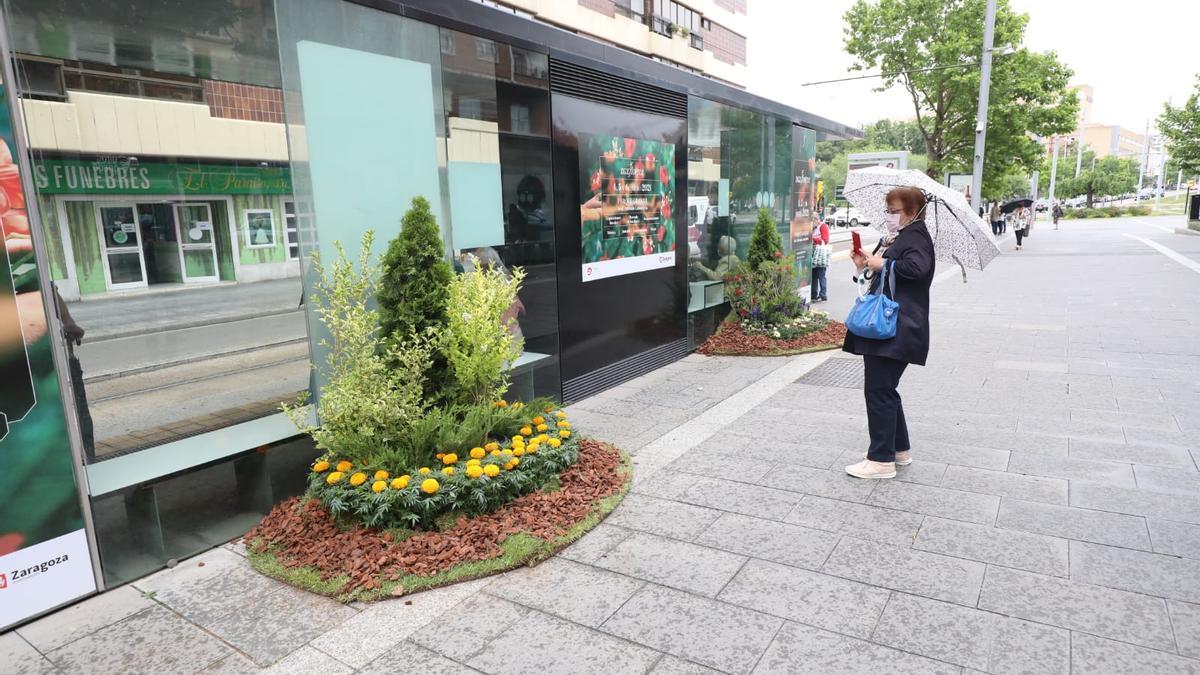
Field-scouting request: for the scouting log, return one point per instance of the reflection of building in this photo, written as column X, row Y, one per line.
column 166, row 162
column 704, row 36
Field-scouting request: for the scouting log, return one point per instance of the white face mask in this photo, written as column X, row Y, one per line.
column 892, row 220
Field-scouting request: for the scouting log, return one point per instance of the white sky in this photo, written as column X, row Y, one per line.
column 1135, row 54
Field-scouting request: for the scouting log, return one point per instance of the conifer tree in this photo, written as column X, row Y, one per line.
column 765, row 242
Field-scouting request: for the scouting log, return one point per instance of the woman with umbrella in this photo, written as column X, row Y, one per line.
column 908, row 253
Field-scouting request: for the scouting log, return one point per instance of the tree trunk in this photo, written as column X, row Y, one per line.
column 1091, row 191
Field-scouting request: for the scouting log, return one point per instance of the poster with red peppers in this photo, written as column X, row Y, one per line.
column 44, row 560
column 627, row 215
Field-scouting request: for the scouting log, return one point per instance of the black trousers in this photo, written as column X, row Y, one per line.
column 1020, row 234
column 885, row 413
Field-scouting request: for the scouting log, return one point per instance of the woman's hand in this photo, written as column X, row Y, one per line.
column 874, row 262
column 859, row 258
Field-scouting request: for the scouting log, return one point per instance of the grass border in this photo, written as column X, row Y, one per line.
column 519, row 549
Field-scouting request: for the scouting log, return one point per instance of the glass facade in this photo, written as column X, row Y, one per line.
column 188, row 157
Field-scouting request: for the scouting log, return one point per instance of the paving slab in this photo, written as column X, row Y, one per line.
column 1121, row 615
column 812, row 598
column 661, row 516
column 768, row 449
column 935, row 501
column 576, row 592
column 830, row 483
column 275, row 626
column 463, row 631
column 673, row 665
column 1155, row 574
column 1150, row 455
column 908, row 570
column 89, row 616
column 724, row 466
column 1181, row 480
column 1072, row 469
column 1102, row 527
column 209, row 586
column 770, row 540
column 956, row 454
column 551, row 645
column 743, row 498
column 805, row 650
column 1004, row 484
column 1173, row 538
column 1009, row 548
column 20, row 656
column 673, row 563
column 155, row 640
column 382, row 625
column 598, row 541
column 702, row 630
column 1185, row 619
column 410, row 657
column 972, row 638
column 1091, row 654
column 1185, row 508
column 309, row 661
column 867, row 522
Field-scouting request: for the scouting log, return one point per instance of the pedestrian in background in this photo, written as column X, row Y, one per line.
column 908, row 253
column 1056, row 213
column 997, row 219
column 822, row 251
column 1020, row 222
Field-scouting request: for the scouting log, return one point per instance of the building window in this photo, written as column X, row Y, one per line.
column 485, row 50
column 529, row 64
column 41, row 79
column 470, row 108
column 290, row 229
column 668, row 13
column 131, row 82
column 448, row 43
column 520, row 119
column 630, row 9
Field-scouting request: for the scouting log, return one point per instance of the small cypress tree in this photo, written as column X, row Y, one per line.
column 414, row 287
column 765, row 242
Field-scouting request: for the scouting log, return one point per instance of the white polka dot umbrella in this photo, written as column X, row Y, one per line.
column 959, row 235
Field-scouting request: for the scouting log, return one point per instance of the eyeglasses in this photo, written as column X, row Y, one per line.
column 894, row 212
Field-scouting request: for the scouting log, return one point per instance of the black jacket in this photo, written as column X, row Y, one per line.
column 912, row 252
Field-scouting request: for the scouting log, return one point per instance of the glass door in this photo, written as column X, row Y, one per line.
column 197, row 244
column 121, row 246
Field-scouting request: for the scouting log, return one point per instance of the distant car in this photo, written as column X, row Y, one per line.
column 847, row 217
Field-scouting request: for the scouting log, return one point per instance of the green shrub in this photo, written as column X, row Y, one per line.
column 414, row 288
column 1143, row 210
column 458, row 429
column 477, row 342
column 373, row 392
column 765, row 243
column 765, row 293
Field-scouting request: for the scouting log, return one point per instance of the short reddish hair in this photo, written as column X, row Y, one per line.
column 910, row 199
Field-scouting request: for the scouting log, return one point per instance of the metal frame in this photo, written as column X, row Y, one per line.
column 58, row 346
column 211, row 247
column 105, row 252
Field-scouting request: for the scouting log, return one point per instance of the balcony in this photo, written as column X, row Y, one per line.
column 696, row 41
column 661, row 26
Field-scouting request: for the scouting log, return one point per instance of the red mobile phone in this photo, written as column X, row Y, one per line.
column 856, row 245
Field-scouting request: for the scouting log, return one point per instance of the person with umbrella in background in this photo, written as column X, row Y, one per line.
column 908, row 254
column 924, row 221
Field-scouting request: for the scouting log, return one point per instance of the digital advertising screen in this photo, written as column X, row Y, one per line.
column 627, row 185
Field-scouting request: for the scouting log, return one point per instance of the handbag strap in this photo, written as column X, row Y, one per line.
column 889, row 279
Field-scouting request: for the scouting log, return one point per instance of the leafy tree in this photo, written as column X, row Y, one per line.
column 765, row 243
column 1181, row 127
column 930, row 48
column 414, row 287
column 1103, row 177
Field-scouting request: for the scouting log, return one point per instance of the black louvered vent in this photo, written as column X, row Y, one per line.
column 594, row 85
column 624, row 370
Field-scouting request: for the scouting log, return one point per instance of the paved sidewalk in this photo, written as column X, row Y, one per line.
column 1050, row 521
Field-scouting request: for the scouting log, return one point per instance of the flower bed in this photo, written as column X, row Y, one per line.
column 302, row 543
column 732, row 339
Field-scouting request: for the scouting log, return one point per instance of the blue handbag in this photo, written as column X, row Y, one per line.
column 874, row 315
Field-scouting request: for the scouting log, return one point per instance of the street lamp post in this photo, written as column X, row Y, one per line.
column 985, row 81
column 1053, row 171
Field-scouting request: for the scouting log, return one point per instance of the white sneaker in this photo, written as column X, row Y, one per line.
column 870, row 469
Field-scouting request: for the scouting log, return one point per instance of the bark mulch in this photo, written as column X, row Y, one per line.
column 301, row 533
column 730, row 340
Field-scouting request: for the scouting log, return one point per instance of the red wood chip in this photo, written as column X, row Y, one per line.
column 304, row 534
column 730, row 339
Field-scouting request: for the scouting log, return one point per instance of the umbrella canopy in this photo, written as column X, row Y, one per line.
column 959, row 235
column 1014, row 204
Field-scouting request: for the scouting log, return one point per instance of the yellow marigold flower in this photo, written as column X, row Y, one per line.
column 344, row 466
column 554, row 442
column 531, row 449
column 381, row 475
column 474, row 471
column 439, row 455
column 518, row 439
column 400, row 483
column 379, row 486
column 478, row 453
column 542, row 438
column 518, row 405
column 542, row 427
column 501, row 404
column 507, row 452
column 492, row 446
column 430, row 486
column 424, row 470
column 518, row 452
column 472, row 462
column 321, row 466
column 564, row 425
column 564, row 433
column 449, row 471
column 491, row 470
column 494, row 453
column 358, row 479
column 526, row 431
column 538, row 420
column 334, row 477
column 560, row 415
column 548, row 408
column 450, row 459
